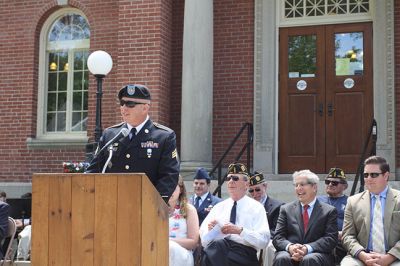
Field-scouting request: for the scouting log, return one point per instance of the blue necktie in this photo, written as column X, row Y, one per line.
column 232, row 219
column 132, row 134
column 197, row 202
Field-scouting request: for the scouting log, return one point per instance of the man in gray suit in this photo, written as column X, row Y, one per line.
column 371, row 229
column 306, row 232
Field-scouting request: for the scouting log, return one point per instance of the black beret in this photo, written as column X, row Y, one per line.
column 237, row 168
column 134, row 91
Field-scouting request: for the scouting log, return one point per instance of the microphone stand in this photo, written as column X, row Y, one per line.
column 110, row 155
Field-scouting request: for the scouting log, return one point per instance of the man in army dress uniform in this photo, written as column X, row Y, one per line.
column 149, row 147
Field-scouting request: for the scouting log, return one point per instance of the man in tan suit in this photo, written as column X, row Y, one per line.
column 371, row 229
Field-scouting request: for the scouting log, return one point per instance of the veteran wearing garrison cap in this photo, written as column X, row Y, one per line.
column 202, row 199
column 240, row 221
column 149, row 147
column 335, row 185
column 258, row 191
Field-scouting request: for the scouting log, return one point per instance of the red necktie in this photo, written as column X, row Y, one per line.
column 305, row 217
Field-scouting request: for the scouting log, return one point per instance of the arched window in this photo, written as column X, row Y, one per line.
column 63, row 80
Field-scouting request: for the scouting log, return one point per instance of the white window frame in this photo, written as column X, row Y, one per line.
column 43, row 137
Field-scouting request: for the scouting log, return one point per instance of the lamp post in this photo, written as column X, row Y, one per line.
column 99, row 64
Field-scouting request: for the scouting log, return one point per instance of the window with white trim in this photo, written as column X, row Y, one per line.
column 63, row 89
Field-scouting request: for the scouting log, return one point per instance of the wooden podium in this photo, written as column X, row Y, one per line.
column 98, row 219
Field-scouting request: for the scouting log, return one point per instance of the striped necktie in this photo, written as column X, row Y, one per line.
column 378, row 237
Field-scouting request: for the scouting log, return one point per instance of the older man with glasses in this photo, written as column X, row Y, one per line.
column 371, row 229
column 335, row 185
column 306, row 232
column 235, row 228
column 148, row 148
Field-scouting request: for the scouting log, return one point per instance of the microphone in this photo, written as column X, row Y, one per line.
column 123, row 133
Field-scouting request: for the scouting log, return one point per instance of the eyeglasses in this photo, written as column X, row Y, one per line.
column 129, row 104
column 333, row 183
column 373, row 175
column 233, row 177
column 256, row 190
column 302, row 184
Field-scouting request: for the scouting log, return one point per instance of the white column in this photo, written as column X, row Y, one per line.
column 197, row 85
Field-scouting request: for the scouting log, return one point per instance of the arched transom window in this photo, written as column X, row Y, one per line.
column 67, row 75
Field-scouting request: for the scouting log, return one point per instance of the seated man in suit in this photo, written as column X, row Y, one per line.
column 202, row 199
column 258, row 191
column 335, row 185
column 235, row 228
column 371, row 228
column 306, row 232
column 4, row 213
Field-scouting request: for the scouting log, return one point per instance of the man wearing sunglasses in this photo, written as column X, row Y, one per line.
column 306, row 232
column 371, row 228
column 235, row 228
column 258, row 191
column 149, row 147
column 335, row 185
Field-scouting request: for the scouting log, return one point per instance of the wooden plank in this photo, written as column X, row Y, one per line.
column 82, row 222
column 105, row 246
column 40, row 219
column 129, row 219
column 60, row 220
column 154, row 227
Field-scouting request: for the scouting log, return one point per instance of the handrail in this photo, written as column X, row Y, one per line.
column 246, row 147
column 373, row 133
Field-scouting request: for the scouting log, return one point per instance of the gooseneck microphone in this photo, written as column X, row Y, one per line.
column 123, row 133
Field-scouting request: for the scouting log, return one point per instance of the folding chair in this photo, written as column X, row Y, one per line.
column 12, row 228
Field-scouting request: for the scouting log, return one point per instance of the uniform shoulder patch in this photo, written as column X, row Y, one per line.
column 157, row 125
column 117, row 125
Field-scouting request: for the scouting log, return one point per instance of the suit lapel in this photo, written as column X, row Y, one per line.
column 206, row 202
column 389, row 208
column 299, row 217
column 365, row 205
column 314, row 216
column 140, row 136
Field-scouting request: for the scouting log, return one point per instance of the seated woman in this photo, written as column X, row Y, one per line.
column 183, row 228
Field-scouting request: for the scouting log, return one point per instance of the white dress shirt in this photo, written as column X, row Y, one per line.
column 250, row 214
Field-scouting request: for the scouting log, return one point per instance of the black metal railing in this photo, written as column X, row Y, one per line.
column 372, row 136
column 246, row 147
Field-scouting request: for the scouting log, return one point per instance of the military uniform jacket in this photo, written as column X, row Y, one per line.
column 272, row 207
column 205, row 206
column 151, row 151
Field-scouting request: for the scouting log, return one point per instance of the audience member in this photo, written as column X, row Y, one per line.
column 3, row 196
column 258, row 191
column 183, row 228
column 371, row 228
column 335, row 185
column 202, row 199
column 4, row 213
column 235, row 228
column 306, row 232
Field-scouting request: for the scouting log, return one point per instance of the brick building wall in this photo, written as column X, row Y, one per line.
column 137, row 34
column 233, row 73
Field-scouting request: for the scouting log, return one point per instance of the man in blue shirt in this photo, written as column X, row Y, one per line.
column 371, row 228
column 335, row 185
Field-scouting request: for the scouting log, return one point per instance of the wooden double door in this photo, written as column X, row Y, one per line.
column 325, row 96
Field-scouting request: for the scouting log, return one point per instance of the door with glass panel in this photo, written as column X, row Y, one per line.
column 325, row 96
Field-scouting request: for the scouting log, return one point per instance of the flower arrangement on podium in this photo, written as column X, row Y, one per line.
column 75, row 167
